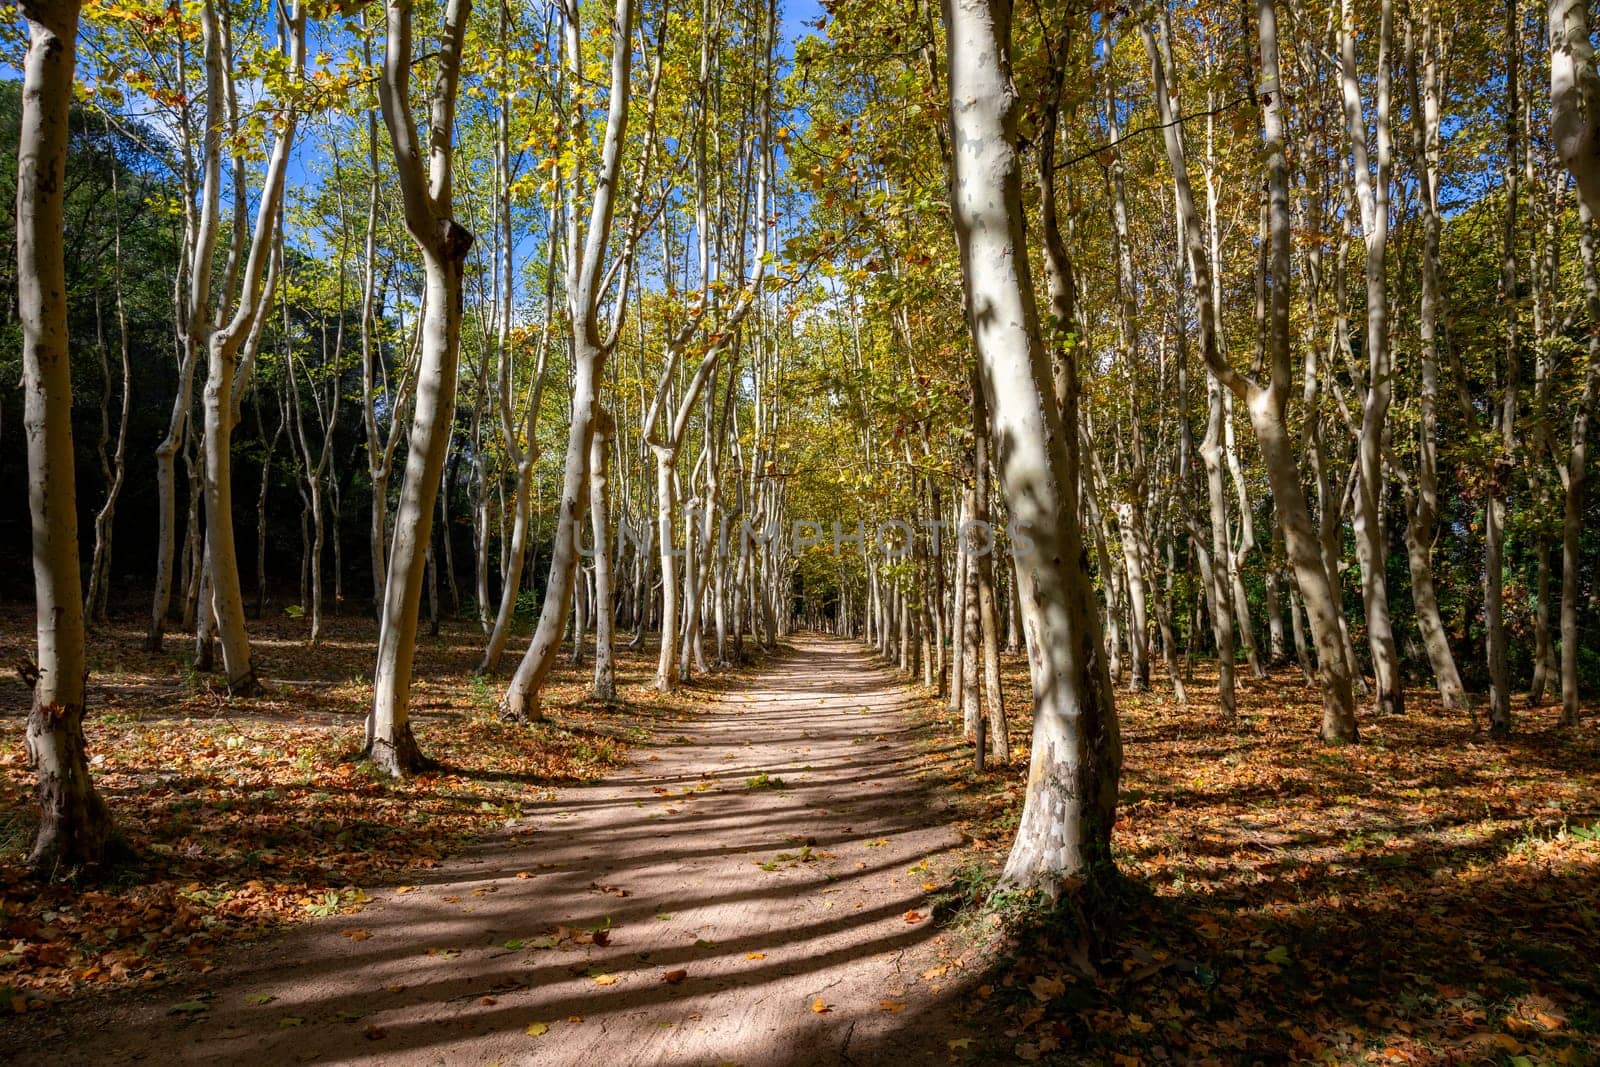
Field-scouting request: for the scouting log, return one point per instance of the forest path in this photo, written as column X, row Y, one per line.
column 681, row 858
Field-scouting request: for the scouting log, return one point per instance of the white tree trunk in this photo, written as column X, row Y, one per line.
column 1064, row 837
column 444, row 244
column 605, row 680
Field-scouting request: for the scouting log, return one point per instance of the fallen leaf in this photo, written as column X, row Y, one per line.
column 891, row 1005
column 1046, row 988
column 755, row 955
column 355, row 935
column 605, row 979
column 537, row 1029
column 674, row 977
column 820, row 1006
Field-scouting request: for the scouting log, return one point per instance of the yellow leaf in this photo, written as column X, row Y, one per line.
column 820, row 1006
column 1047, row 988
column 891, row 1005
column 755, row 955
column 537, row 1029
column 605, row 979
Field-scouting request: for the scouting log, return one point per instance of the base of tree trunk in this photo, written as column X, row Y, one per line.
column 606, row 693
column 247, row 685
column 528, row 712
column 74, row 823
column 400, row 757
column 1337, row 729
column 1391, row 703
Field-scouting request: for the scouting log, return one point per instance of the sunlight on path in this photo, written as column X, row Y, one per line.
column 750, row 890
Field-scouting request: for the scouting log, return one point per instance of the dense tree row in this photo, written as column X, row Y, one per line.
column 1266, row 336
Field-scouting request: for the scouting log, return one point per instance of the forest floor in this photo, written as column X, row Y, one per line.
column 785, row 863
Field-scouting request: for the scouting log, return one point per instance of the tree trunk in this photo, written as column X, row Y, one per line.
column 988, row 617
column 1423, row 508
column 1064, row 836
column 1505, row 417
column 1266, row 405
column 444, row 243
column 1221, row 585
column 585, row 255
column 1372, row 194
column 605, row 680
column 73, row 821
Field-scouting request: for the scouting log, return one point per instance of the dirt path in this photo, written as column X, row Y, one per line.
column 730, row 904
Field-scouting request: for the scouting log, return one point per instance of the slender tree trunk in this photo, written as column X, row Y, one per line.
column 971, row 624
column 1372, row 193
column 958, row 615
column 605, row 681
column 1221, row 586
column 1423, row 506
column 1266, row 405
column 584, row 258
column 443, row 243
column 166, row 496
column 116, row 470
column 1506, row 409
column 989, row 621
column 73, row 821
